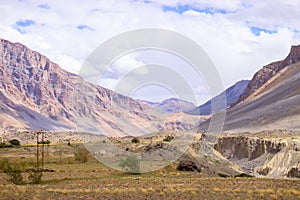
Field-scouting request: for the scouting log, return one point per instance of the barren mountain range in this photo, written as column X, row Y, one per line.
column 37, row 94
column 270, row 101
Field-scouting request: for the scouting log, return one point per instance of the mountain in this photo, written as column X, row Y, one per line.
column 268, row 71
column 232, row 95
column 36, row 94
column 273, row 105
column 172, row 105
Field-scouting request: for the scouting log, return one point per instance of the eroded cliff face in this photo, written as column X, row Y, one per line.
column 244, row 147
column 270, row 157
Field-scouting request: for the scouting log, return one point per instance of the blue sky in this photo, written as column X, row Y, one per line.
column 21, row 25
column 83, row 27
column 181, row 8
column 257, row 31
column 44, row 6
column 239, row 36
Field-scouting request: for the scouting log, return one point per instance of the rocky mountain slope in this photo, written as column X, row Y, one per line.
column 274, row 105
column 36, row 93
column 268, row 71
column 232, row 95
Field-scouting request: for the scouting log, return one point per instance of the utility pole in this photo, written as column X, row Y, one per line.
column 43, row 147
column 38, row 150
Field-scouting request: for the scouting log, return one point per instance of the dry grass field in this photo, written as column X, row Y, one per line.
column 72, row 179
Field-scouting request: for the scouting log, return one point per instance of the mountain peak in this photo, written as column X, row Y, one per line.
column 294, row 55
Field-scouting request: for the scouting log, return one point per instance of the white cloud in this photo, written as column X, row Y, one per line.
column 227, row 38
column 125, row 64
column 117, row 70
column 70, row 64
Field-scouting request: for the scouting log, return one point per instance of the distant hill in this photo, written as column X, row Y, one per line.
column 173, row 105
column 232, row 95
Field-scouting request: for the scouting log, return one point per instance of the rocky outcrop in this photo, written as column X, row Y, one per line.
column 273, row 157
column 36, row 93
column 294, row 172
column 244, row 147
column 268, row 71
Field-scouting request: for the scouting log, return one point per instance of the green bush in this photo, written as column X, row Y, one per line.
column 35, row 176
column 130, row 164
column 168, row 138
column 44, row 142
column 135, row 140
column 4, row 145
column 13, row 172
column 81, row 154
column 14, row 142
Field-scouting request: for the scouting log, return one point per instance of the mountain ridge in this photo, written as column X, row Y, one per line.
column 232, row 94
column 172, row 105
column 268, row 71
column 32, row 83
column 274, row 105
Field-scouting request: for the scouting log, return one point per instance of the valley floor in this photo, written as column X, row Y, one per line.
column 71, row 179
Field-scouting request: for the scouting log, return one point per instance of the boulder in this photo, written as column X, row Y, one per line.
column 188, row 165
column 294, row 173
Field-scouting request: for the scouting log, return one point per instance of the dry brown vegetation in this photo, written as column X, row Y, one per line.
column 72, row 179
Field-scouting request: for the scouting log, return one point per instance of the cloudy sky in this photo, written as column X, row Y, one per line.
column 239, row 36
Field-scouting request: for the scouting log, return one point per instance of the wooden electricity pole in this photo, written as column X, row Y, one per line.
column 38, row 150
column 43, row 148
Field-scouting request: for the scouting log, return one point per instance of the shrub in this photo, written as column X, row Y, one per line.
column 4, row 145
column 223, row 175
column 243, row 175
column 135, row 140
column 130, row 164
column 81, row 154
column 15, row 142
column 44, row 142
column 13, row 171
column 35, row 175
column 168, row 138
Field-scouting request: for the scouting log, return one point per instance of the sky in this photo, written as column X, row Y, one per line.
column 239, row 36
